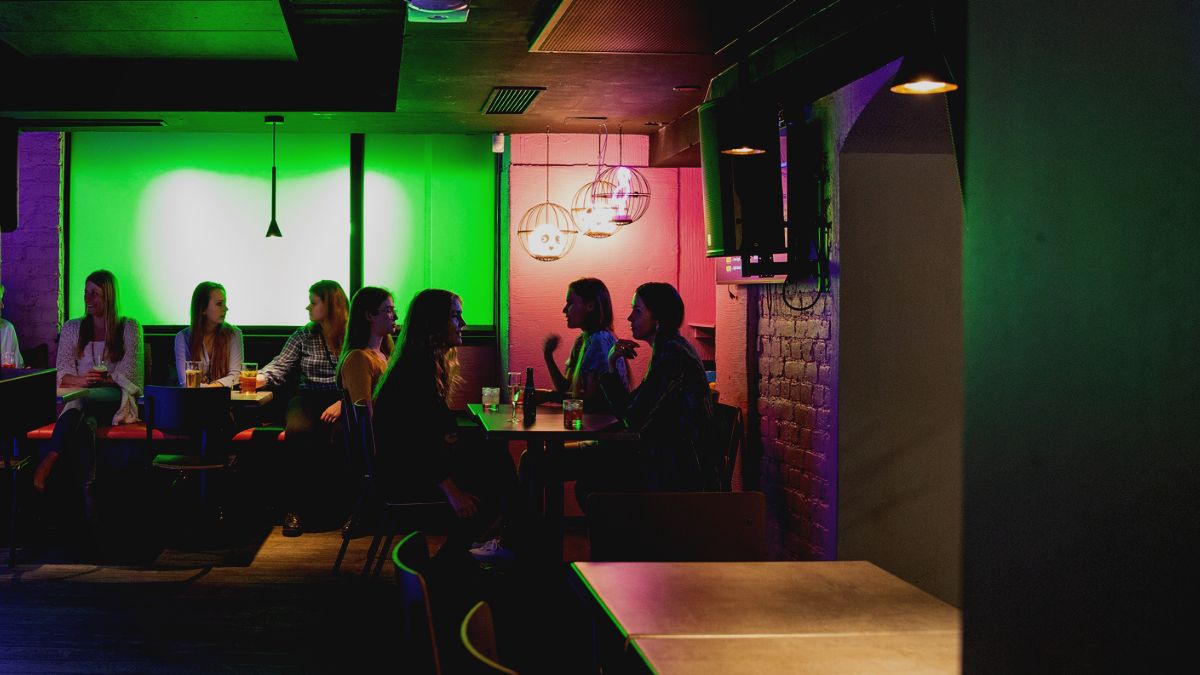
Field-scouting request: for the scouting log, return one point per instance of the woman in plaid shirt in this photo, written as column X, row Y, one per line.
column 312, row 351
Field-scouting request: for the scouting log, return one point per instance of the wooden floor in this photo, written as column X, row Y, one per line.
column 205, row 612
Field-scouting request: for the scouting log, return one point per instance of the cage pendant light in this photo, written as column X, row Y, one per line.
column 595, row 219
column 622, row 189
column 547, row 231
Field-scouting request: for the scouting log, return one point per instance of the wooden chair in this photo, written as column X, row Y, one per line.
column 418, row 635
column 677, row 526
column 478, row 634
column 370, row 505
column 730, row 431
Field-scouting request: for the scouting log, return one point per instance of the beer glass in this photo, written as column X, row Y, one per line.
column 248, row 378
column 191, row 374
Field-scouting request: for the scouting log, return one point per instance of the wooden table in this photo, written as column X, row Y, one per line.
column 258, row 398
column 772, row 612
column 547, row 435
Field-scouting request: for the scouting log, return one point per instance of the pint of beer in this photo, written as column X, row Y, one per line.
column 191, row 374
column 248, row 380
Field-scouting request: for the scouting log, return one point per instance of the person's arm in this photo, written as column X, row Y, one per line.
column 68, row 376
column 355, row 376
column 637, row 408
column 129, row 373
column 8, row 342
column 181, row 356
column 549, row 345
column 276, row 372
column 235, row 360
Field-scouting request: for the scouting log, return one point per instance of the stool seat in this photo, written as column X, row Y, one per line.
column 41, row 433
column 189, row 462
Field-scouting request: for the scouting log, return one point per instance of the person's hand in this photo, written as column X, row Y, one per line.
column 212, row 384
column 260, row 381
column 332, row 413
column 97, row 378
column 622, row 349
column 464, row 504
column 549, row 345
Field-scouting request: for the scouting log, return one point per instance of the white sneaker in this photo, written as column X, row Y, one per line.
column 492, row 552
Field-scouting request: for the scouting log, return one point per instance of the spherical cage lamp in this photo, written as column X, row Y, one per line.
column 547, row 231
column 594, row 219
column 625, row 191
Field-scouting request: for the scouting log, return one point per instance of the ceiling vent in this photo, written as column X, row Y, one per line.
column 510, row 100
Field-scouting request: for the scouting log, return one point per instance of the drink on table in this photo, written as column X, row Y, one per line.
column 491, row 398
column 248, row 379
column 529, row 404
column 572, row 413
column 8, row 360
column 516, row 381
column 191, row 374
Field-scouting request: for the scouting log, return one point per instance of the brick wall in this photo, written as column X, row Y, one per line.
column 31, row 257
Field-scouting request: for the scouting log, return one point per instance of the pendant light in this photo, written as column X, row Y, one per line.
column 273, row 228
column 924, row 69
column 622, row 189
column 547, row 231
column 595, row 219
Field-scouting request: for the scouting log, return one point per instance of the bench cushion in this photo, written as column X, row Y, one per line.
column 122, row 432
column 254, row 433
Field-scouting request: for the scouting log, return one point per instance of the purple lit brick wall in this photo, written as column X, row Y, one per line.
column 31, row 257
column 792, row 423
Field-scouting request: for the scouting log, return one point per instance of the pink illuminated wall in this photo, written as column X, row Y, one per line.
column 666, row 244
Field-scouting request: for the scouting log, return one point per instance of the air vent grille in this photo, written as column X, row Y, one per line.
column 510, row 100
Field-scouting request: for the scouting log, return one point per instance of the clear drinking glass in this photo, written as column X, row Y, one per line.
column 191, row 374
column 8, row 360
column 516, row 382
column 572, row 413
column 491, row 398
column 248, row 378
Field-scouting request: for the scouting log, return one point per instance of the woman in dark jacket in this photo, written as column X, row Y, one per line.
column 420, row 450
column 671, row 409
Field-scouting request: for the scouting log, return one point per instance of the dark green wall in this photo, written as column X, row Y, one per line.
column 1082, row 327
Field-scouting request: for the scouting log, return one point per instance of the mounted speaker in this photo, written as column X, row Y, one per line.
column 8, row 174
column 743, row 192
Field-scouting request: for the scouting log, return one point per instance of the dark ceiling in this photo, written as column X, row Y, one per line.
column 360, row 66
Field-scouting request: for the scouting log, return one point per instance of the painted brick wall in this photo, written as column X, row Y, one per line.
column 31, row 257
column 789, row 391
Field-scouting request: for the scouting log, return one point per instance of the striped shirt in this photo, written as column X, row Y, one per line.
column 306, row 348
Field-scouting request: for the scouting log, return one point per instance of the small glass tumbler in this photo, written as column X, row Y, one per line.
column 8, row 360
column 491, row 398
column 191, row 374
column 572, row 413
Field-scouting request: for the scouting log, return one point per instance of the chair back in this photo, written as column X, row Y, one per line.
column 677, row 526
column 411, row 559
column 478, row 635
column 729, row 430
column 180, row 410
column 359, row 435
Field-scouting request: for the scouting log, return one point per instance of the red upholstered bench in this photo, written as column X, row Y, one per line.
column 121, row 432
column 259, row 433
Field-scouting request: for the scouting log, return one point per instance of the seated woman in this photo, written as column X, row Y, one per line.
column 368, row 342
column 312, row 351
column 101, row 351
column 215, row 344
column 671, row 409
column 8, row 340
column 588, row 308
column 420, row 451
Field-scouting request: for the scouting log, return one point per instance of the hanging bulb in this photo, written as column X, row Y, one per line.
column 273, row 227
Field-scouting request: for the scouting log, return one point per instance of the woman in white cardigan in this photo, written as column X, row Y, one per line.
column 103, row 352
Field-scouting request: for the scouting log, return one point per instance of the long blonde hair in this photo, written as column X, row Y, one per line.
column 114, row 323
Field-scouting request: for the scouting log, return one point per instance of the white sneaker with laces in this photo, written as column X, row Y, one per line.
column 492, row 552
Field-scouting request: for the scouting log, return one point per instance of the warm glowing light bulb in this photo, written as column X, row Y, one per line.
column 744, row 150
column 924, row 87
column 546, row 241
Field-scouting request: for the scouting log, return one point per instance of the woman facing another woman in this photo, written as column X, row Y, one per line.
column 368, row 342
column 215, row 344
column 588, row 308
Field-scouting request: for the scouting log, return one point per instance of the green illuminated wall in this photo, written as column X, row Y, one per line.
column 164, row 211
column 428, row 211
